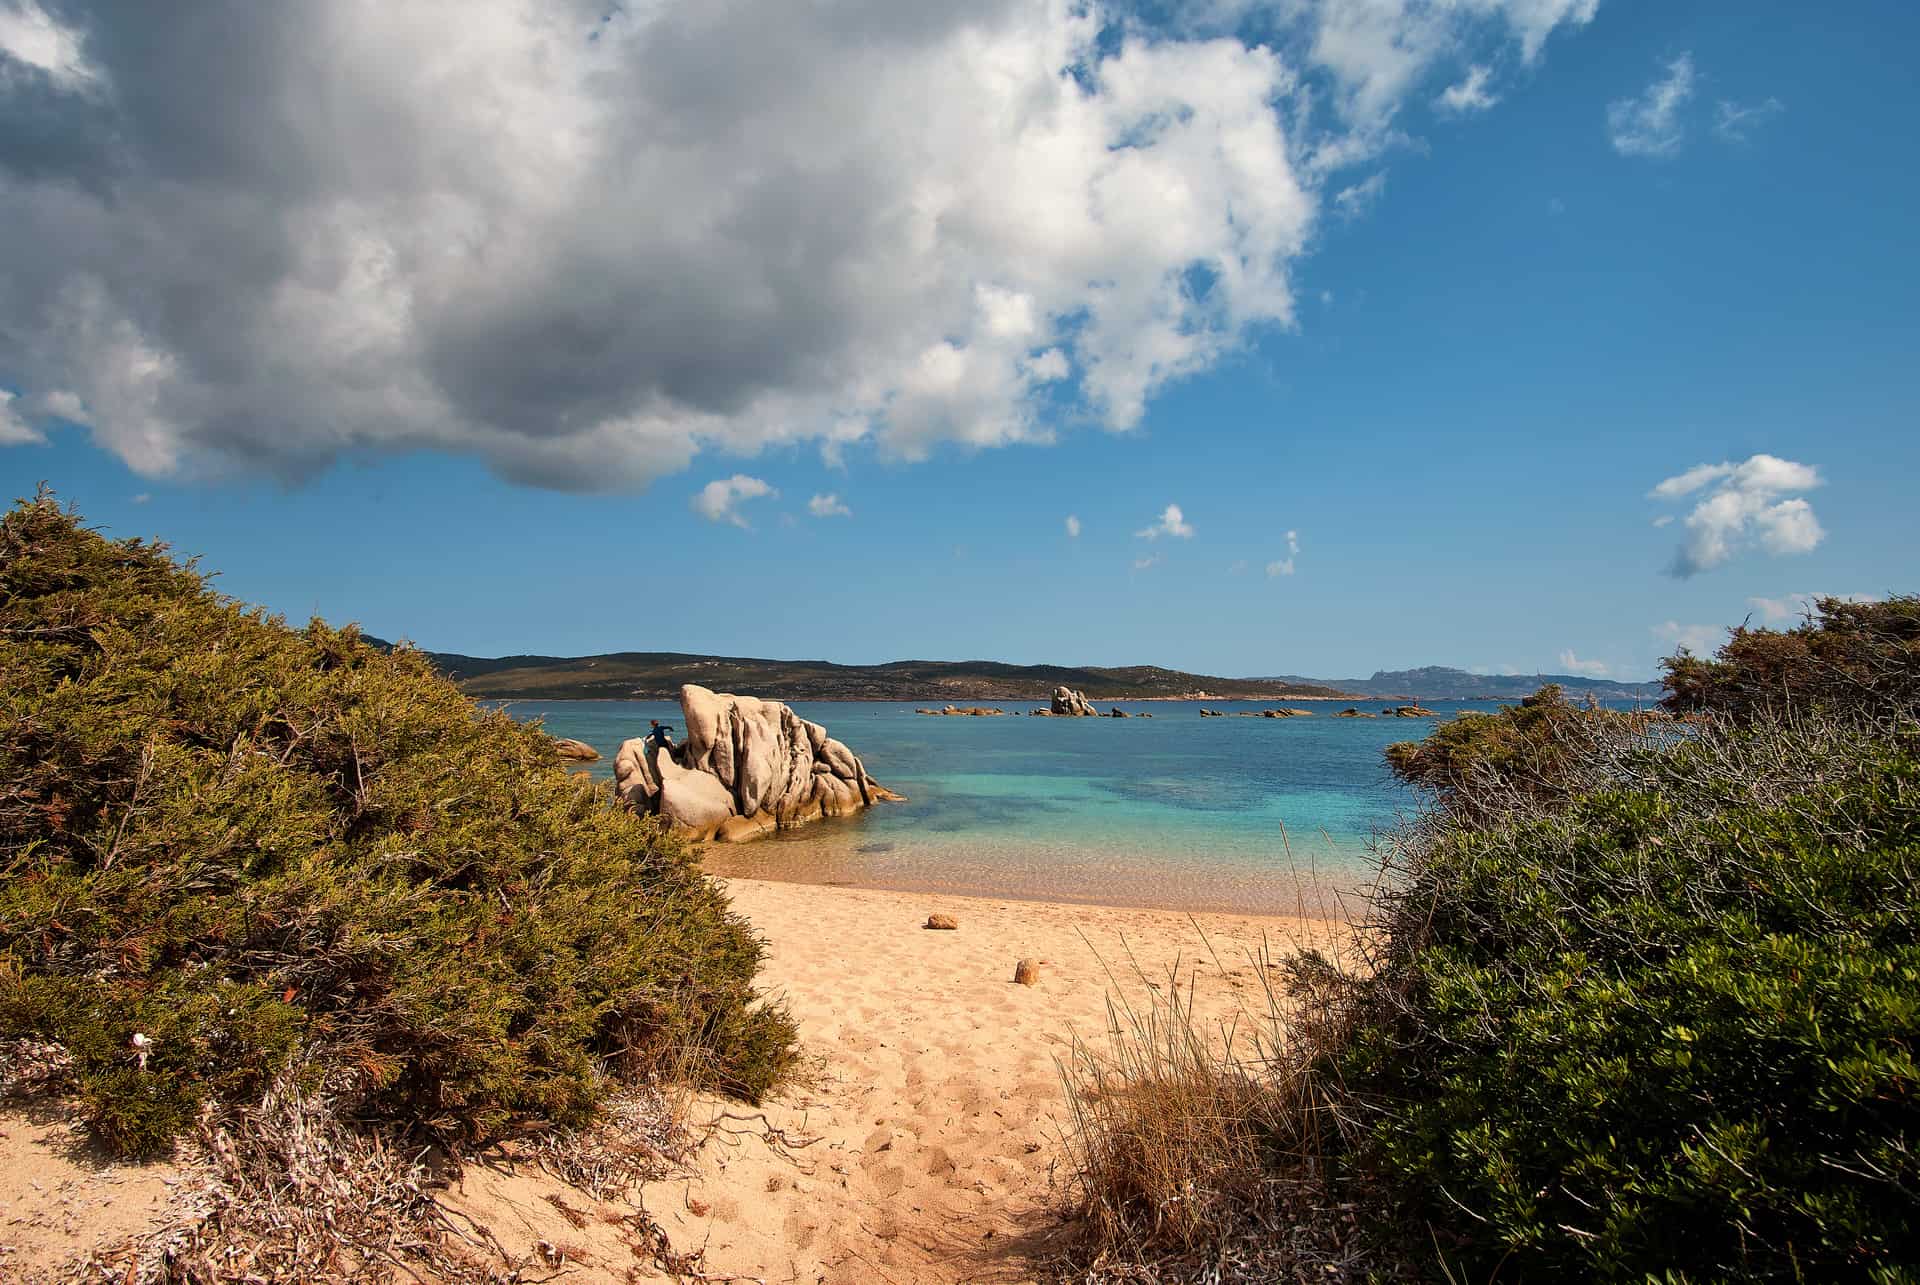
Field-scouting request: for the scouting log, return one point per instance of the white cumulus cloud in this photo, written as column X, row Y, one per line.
column 1470, row 95
column 592, row 243
column 1574, row 665
column 1649, row 123
column 1745, row 505
column 14, row 429
column 720, row 499
column 1285, row 566
column 1172, row 522
column 828, row 506
column 34, row 38
column 1073, row 527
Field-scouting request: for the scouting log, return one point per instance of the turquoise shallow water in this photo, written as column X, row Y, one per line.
column 1175, row 811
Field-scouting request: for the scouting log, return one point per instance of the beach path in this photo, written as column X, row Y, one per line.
column 927, row 1145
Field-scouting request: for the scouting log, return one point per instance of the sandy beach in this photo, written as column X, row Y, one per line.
column 925, row 1146
column 937, row 1103
column 922, row 1146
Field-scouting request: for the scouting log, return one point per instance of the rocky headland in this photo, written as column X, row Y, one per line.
column 748, row 767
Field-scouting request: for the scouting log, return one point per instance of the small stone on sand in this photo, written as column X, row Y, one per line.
column 942, row 921
column 1027, row 972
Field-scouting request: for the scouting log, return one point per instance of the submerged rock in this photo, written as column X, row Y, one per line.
column 748, row 767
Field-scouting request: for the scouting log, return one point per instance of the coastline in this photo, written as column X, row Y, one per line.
column 1315, row 895
column 950, row 696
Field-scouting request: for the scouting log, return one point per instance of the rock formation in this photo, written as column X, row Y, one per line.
column 568, row 748
column 748, row 767
column 1351, row 712
column 1414, row 711
column 1072, row 704
column 975, row 711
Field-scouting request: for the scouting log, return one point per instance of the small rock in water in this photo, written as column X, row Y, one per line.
column 947, row 922
column 1027, row 972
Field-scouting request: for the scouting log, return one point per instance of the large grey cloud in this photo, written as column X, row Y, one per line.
column 588, row 245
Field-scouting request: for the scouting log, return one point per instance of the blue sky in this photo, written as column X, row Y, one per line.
column 1462, row 365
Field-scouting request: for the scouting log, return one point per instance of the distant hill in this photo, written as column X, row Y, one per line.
column 1438, row 682
column 644, row 675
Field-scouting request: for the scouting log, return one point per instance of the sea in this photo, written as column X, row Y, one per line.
column 1176, row 811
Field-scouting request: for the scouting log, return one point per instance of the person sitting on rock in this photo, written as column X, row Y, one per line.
column 660, row 734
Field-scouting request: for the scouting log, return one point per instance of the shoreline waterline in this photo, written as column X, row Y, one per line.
column 1177, row 812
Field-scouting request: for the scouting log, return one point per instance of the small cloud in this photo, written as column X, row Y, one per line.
column 1469, row 96
column 1574, row 665
column 142, row 498
column 1326, row 298
column 29, row 34
column 1649, row 124
column 1795, row 607
column 1151, row 560
column 1073, row 527
column 1665, row 519
column 1354, row 201
column 719, row 500
column 1733, row 123
column 1750, row 503
column 1556, row 206
column 1284, row 566
column 1701, row 640
column 14, row 429
column 66, row 405
column 1172, row 522
column 1048, row 366
column 828, row 506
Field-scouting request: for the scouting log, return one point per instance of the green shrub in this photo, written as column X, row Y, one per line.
column 1646, row 995
column 243, row 842
column 1665, row 1028
column 1479, row 763
column 1846, row 656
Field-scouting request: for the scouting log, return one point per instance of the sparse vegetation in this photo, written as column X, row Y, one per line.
column 1639, row 1002
column 270, row 852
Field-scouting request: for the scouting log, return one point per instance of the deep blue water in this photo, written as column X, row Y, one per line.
column 1175, row 811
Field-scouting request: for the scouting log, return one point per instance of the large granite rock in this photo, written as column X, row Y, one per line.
column 1071, row 704
column 748, row 767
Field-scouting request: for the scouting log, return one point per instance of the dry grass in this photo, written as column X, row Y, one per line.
column 1197, row 1152
column 285, row 1191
